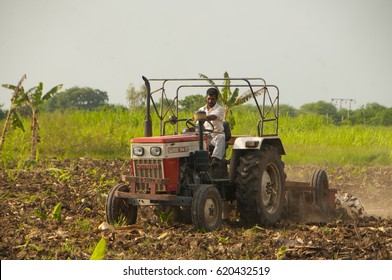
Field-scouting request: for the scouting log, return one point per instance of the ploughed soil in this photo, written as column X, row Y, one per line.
column 31, row 228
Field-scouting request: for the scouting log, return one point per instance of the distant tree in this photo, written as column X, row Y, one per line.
column 371, row 112
column 319, row 108
column 287, row 110
column 114, row 107
column 136, row 98
column 385, row 117
column 358, row 116
column 374, row 107
column 376, row 114
column 78, row 98
column 344, row 116
column 2, row 112
column 192, row 102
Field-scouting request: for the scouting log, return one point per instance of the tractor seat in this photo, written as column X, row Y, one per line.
column 227, row 130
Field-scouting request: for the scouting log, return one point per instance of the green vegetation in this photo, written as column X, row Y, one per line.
column 105, row 133
column 79, row 122
column 99, row 250
column 372, row 114
column 77, row 98
column 230, row 99
column 308, row 139
column 56, row 214
column 30, row 100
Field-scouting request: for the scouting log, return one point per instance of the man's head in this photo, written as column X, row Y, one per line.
column 212, row 97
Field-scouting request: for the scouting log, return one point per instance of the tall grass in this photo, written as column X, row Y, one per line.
column 73, row 134
column 100, row 134
column 107, row 133
column 310, row 139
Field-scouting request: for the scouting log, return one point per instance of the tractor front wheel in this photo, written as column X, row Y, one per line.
column 206, row 210
column 118, row 211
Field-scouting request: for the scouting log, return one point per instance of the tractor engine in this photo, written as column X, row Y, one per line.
column 162, row 157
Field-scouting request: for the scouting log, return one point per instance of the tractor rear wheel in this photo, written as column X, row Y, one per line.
column 206, row 210
column 118, row 211
column 260, row 186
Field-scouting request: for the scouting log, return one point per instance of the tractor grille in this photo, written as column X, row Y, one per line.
column 148, row 168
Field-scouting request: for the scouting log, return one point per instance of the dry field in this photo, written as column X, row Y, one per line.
column 29, row 230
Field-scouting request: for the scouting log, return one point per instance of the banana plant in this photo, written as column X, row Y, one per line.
column 13, row 118
column 229, row 98
column 32, row 98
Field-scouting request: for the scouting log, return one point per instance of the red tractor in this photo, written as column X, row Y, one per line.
column 174, row 171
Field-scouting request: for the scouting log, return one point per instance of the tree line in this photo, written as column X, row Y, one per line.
column 86, row 98
column 369, row 114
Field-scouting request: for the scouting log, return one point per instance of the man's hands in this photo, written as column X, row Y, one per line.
column 211, row 117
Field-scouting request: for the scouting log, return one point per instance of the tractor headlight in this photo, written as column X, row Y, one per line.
column 138, row 151
column 155, row 151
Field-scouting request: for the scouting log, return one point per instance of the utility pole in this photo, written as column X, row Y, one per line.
column 345, row 100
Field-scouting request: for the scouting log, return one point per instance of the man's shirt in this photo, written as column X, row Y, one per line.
column 219, row 112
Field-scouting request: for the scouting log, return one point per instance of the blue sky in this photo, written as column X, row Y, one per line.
column 312, row 50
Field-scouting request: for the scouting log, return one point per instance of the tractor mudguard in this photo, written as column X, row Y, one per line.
column 251, row 142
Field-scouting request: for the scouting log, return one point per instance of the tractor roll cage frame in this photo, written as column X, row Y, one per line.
column 268, row 112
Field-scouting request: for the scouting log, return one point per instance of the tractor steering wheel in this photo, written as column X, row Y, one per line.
column 191, row 125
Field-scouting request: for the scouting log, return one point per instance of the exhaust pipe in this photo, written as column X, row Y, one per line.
column 147, row 119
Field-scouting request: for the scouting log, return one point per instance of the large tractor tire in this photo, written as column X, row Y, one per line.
column 260, row 187
column 118, row 211
column 206, row 210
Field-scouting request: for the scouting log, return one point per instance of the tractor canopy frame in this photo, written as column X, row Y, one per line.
column 268, row 108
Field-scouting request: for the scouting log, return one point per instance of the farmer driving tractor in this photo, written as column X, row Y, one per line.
column 215, row 114
column 174, row 170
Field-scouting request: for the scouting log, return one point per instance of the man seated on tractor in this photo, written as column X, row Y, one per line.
column 215, row 114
